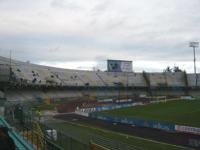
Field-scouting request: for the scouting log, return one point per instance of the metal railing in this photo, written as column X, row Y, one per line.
column 65, row 140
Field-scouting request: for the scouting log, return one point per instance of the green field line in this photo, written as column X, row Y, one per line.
column 126, row 135
column 145, row 144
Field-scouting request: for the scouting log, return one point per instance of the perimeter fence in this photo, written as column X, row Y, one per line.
column 44, row 136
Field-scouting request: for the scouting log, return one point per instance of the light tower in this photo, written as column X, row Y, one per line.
column 194, row 45
column 10, row 65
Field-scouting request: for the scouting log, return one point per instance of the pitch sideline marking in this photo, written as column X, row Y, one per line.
column 125, row 135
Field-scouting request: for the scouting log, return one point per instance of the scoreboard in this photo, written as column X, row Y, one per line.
column 119, row 66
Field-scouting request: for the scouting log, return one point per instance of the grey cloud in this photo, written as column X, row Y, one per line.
column 60, row 30
column 66, row 4
column 101, row 7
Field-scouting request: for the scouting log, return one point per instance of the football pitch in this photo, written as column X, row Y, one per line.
column 181, row 112
column 84, row 132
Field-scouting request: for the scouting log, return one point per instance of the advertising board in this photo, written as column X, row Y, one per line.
column 119, row 66
column 187, row 129
column 136, row 122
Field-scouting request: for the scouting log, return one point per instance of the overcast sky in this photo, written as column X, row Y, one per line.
column 82, row 34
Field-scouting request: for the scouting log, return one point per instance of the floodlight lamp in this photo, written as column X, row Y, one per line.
column 194, row 44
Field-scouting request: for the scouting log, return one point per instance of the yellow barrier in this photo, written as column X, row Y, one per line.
column 35, row 136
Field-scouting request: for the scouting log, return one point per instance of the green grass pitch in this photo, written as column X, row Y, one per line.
column 81, row 132
column 182, row 112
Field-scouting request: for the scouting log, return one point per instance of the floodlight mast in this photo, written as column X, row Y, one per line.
column 10, row 63
column 194, row 45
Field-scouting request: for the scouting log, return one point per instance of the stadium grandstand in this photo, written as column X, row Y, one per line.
column 27, row 89
column 65, row 83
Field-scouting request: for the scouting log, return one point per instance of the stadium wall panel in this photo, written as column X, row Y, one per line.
column 187, row 129
column 136, row 122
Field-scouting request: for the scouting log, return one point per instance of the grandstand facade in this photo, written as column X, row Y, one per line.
column 25, row 81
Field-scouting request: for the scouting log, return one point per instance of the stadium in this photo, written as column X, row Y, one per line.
column 116, row 109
